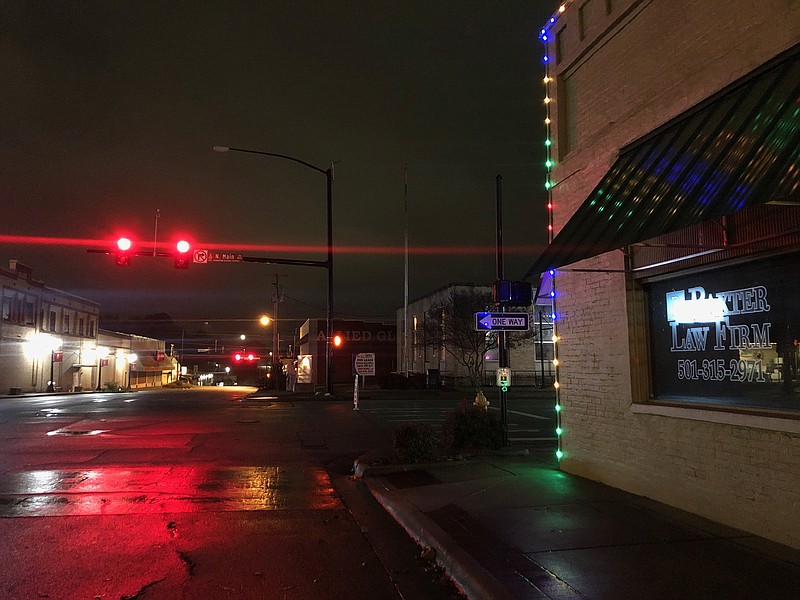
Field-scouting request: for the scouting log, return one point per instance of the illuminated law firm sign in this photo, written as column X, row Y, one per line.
column 728, row 335
column 700, row 321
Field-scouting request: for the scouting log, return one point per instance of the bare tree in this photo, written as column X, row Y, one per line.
column 450, row 328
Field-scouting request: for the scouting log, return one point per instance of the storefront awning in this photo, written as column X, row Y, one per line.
column 736, row 149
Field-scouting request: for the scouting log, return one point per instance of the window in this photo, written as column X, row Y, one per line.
column 582, row 19
column 567, row 130
column 66, row 323
column 52, row 320
column 414, row 342
column 81, row 323
column 560, row 44
column 91, row 328
column 544, row 349
column 6, row 308
column 30, row 313
column 728, row 336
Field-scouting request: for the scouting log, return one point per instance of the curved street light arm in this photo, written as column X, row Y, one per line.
column 284, row 156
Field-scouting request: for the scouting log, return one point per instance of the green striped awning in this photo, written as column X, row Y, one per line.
column 734, row 150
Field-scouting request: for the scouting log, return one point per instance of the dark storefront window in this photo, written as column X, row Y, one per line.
column 728, row 336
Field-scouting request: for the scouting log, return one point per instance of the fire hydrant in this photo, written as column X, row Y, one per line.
column 481, row 401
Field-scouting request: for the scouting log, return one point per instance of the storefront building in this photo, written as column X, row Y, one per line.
column 50, row 342
column 354, row 337
column 673, row 139
column 48, row 338
column 423, row 345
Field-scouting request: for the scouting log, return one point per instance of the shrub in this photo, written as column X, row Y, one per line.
column 415, row 442
column 472, row 427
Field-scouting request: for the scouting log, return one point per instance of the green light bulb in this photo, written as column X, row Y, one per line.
column 559, row 431
column 558, row 408
column 559, row 454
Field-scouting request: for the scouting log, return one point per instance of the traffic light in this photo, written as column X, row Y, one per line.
column 183, row 254
column 123, row 257
column 521, row 293
column 512, row 293
column 337, row 341
column 240, row 356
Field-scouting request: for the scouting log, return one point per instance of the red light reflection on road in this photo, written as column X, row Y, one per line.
column 126, row 490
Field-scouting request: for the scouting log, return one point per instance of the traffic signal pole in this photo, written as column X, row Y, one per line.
column 502, row 340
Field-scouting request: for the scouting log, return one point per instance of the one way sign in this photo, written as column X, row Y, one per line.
column 491, row 321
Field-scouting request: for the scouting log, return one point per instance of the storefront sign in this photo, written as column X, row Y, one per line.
column 727, row 334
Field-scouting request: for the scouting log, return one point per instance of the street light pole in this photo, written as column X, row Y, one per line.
column 50, row 385
column 329, row 263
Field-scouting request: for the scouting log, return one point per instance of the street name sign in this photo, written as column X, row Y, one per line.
column 501, row 321
column 208, row 256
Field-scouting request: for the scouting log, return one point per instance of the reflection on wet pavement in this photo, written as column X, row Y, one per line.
column 125, row 490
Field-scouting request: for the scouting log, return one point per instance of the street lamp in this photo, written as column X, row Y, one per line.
column 264, row 320
column 329, row 264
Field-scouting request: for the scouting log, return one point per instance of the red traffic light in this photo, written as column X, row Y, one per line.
column 237, row 357
column 123, row 257
column 182, row 256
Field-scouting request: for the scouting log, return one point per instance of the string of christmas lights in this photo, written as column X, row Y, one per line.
column 544, row 35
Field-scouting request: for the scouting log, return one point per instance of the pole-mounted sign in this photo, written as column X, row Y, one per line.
column 501, row 321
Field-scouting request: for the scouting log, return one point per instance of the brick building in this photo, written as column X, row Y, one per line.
column 49, row 335
column 672, row 139
column 42, row 330
column 356, row 337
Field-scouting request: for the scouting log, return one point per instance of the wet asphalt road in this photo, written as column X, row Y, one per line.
column 195, row 494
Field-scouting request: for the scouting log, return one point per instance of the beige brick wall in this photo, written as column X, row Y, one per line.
column 635, row 69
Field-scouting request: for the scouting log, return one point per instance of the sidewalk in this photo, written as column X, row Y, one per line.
column 513, row 527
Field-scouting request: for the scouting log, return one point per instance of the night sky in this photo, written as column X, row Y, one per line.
column 110, row 111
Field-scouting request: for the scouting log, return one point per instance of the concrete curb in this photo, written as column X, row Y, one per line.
column 465, row 571
column 363, row 467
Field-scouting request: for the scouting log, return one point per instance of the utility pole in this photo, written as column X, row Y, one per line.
column 155, row 232
column 502, row 340
column 277, row 298
column 405, row 287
